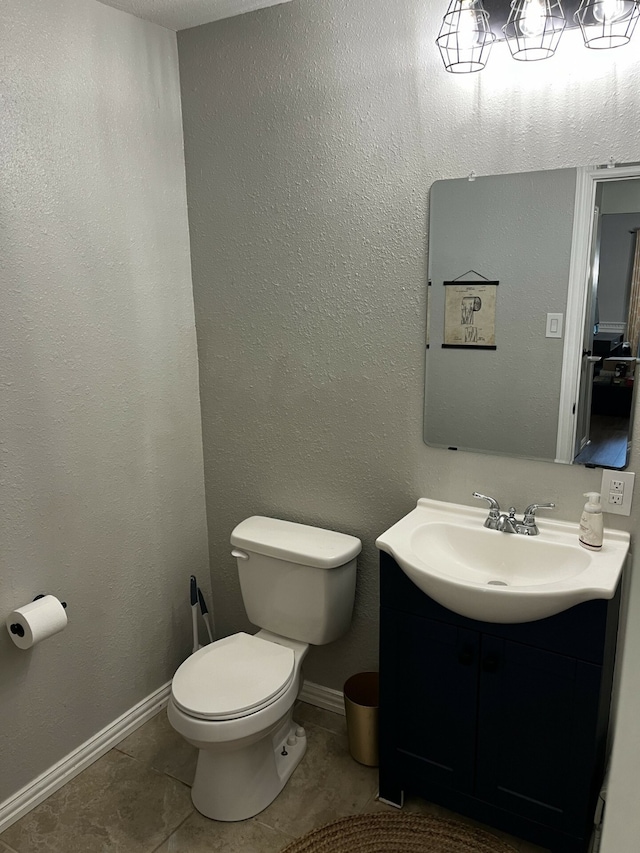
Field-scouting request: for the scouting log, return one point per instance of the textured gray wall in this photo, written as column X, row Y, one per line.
column 102, row 496
column 515, row 229
column 620, row 196
column 617, row 248
column 312, row 134
column 616, row 261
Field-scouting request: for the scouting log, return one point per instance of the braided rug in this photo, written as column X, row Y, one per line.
column 397, row 833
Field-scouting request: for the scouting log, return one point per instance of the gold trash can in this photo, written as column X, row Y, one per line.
column 361, row 705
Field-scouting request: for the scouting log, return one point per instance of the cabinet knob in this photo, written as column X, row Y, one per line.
column 466, row 656
column 490, row 664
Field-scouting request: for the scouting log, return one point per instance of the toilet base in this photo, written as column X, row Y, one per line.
column 239, row 783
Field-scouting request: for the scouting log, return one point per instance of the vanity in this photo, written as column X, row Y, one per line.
column 497, row 657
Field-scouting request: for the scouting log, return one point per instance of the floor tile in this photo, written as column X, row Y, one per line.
column 158, row 745
column 198, row 834
column 306, row 714
column 415, row 805
column 118, row 805
column 326, row 785
column 135, row 799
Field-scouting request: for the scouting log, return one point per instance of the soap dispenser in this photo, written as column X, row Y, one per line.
column 591, row 525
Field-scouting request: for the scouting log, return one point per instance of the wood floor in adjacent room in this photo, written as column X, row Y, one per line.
column 608, row 439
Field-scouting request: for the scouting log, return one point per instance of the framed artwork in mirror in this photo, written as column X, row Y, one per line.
column 470, row 314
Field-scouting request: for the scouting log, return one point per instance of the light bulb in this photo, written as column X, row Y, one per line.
column 608, row 11
column 469, row 30
column 532, row 18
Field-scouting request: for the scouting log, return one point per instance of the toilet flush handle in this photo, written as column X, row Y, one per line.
column 239, row 554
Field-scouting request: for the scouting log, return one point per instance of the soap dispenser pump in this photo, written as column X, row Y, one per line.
column 591, row 525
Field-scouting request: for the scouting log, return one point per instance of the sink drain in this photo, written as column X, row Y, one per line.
column 497, row 583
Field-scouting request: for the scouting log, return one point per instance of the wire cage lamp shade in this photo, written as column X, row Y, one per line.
column 534, row 28
column 465, row 38
column 607, row 23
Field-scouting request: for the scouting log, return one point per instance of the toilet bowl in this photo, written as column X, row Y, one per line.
column 233, row 699
column 249, row 745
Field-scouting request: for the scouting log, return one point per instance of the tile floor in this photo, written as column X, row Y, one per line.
column 135, row 799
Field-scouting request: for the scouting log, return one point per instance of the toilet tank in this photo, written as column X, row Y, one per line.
column 297, row 581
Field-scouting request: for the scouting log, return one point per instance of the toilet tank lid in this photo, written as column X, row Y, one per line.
column 296, row 543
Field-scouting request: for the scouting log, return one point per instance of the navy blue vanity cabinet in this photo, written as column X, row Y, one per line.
column 504, row 723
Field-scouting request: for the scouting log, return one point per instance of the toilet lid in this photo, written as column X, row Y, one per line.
column 232, row 677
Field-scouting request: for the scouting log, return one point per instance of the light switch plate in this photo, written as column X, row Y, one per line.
column 554, row 326
column 617, row 491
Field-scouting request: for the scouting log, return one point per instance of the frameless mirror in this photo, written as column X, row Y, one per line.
column 533, row 319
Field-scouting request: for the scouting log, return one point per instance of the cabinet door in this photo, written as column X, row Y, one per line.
column 537, row 721
column 429, row 674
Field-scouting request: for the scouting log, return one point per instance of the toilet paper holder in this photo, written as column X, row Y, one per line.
column 18, row 630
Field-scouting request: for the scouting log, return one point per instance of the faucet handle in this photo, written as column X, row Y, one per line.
column 530, row 511
column 493, row 503
column 529, row 526
column 494, row 510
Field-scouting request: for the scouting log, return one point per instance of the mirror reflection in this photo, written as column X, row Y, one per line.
column 611, row 329
column 533, row 320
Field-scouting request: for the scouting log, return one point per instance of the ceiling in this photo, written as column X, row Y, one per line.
column 182, row 14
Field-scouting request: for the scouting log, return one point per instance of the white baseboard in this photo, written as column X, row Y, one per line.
column 55, row 777
column 91, row 750
column 617, row 328
column 322, row 697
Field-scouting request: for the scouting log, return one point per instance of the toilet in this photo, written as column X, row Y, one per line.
column 233, row 699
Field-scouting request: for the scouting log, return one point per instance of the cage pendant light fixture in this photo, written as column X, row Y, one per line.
column 465, row 39
column 607, row 23
column 534, row 28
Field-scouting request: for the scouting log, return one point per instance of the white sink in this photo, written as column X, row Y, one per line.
column 501, row 577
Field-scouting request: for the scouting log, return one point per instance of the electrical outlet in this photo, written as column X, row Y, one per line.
column 617, row 491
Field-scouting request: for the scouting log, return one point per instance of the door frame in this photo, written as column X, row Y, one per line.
column 580, row 273
column 585, row 378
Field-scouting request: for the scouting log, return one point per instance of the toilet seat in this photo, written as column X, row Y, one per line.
column 233, row 678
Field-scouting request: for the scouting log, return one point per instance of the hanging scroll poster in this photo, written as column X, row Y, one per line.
column 470, row 314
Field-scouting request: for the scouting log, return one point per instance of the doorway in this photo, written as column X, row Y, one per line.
column 611, row 365
column 603, row 345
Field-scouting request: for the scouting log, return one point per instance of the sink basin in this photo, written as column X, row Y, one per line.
column 501, row 577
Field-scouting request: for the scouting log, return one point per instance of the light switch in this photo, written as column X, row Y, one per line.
column 554, row 325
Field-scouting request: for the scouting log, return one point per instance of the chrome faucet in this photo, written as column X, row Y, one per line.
column 493, row 519
column 529, row 526
column 507, row 522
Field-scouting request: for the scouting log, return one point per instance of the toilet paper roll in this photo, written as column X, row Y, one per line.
column 36, row 621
